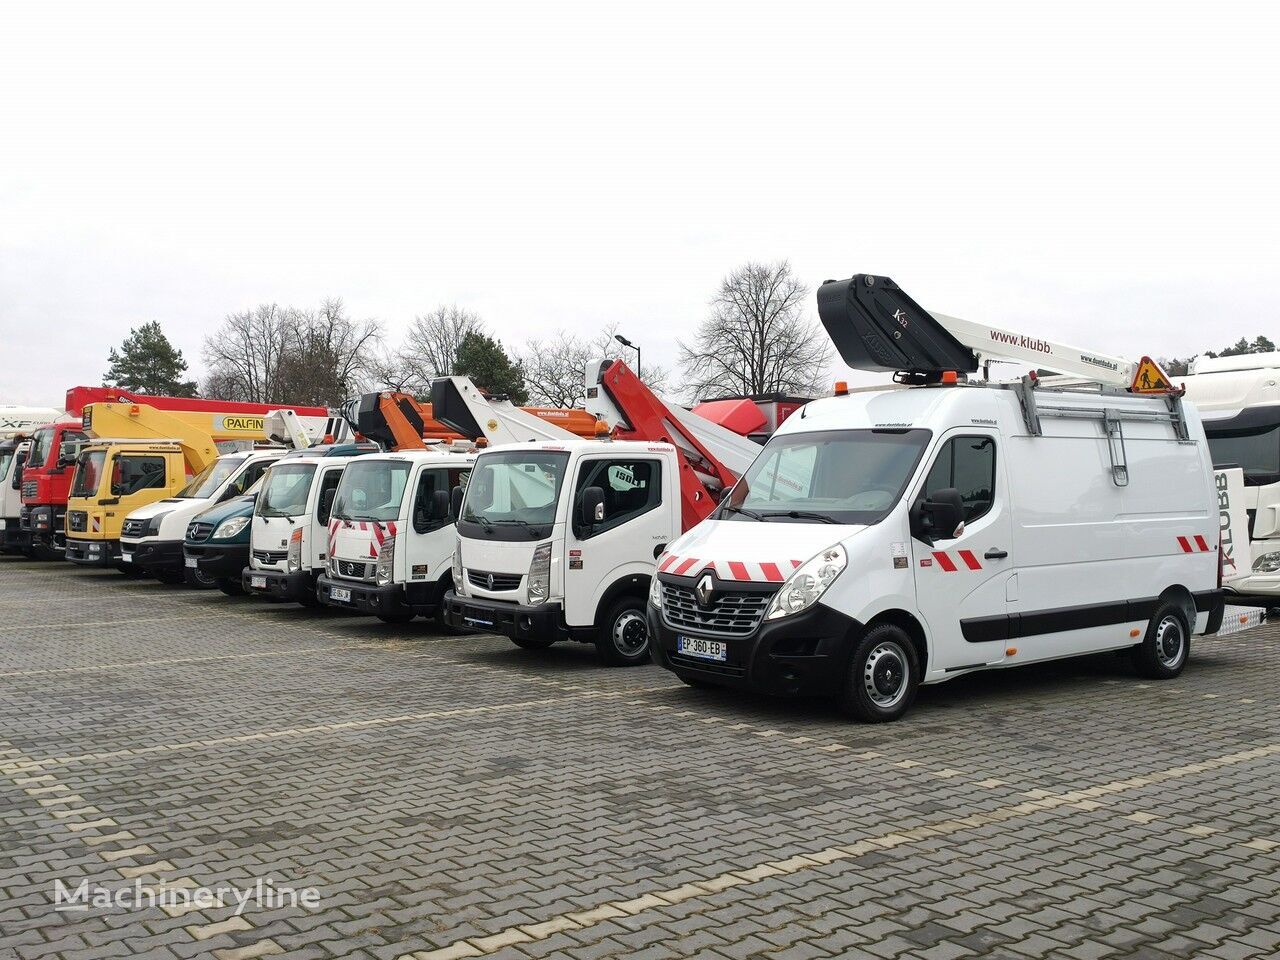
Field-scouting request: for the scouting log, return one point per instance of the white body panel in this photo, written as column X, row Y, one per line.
column 18, row 419
column 270, row 535
column 1072, row 540
column 11, row 488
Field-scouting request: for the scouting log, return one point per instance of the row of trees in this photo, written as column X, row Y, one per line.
column 757, row 338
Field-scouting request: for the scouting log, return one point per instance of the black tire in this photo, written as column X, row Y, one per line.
column 623, row 638
column 397, row 617
column 1166, row 647
column 231, row 586
column 883, row 676
column 130, row 571
column 532, row 643
column 197, row 580
column 311, row 599
column 172, row 577
column 44, row 553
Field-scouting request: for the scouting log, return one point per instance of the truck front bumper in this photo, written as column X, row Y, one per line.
column 387, row 600
column 543, row 622
column 277, row 585
column 153, row 556
column 806, row 654
column 13, row 539
column 223, row 561
column 93, row 553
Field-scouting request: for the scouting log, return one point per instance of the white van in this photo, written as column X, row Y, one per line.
column 883, row 540
column 390, row 535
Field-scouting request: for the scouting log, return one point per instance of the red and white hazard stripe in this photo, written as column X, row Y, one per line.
column 1195, row 544
column 741, row 570
column 963, row 558
column 380, row 533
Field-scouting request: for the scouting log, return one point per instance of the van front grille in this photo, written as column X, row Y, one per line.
column 199, row 531
column 77, row 521
column 496, row 582
column 730, row 613
column 133, row 528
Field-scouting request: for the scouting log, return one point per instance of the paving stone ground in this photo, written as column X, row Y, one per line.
column 458, row 797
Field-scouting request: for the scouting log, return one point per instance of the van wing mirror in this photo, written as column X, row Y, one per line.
column 941, row 517
column 591, row 506
column 440, row 506
column 326, row 501
column 455, row 502
column 20, row 462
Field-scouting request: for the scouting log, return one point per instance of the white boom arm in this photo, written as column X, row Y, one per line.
column 284, row 426
column 501, row 421
column 992, row 343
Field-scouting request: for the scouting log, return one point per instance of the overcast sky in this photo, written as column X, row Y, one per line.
column 1108, row 176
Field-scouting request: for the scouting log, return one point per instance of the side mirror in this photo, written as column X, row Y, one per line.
column 455, row 502
column 20, row 462
column 66, row 459
column 591, row 506
column 326, row 501
column 939, row 518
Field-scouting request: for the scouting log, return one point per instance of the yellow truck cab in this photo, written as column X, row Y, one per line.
column 112, row 479
column 137, row 455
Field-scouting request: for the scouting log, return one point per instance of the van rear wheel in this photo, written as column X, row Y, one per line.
column 199, row 581
column 1164, row 650
column 883, row 676
column 623, row 640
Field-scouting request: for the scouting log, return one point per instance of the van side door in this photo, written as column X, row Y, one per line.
column 428, row 539
column 962, row 581
column 326, row 490
column 599, row 552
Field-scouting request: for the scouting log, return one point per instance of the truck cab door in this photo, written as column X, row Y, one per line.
column 320, row 512
column 622, row 538
column 430, row 535
column 963, row 583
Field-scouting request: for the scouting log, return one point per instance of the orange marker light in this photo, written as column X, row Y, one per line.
column 1134, row 633
column 949, row 376
column 842, row 388
column 1011, row 652
column 602, row 428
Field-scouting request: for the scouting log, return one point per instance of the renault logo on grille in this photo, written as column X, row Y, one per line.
column 703, row 590
column 491, row 581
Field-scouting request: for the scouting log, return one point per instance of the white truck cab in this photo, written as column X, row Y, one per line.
column 558, row 540
column 151, row 537
column 289, row 533
column 390, row 536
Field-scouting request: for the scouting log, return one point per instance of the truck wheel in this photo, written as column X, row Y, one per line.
column 130, row 571
column 623, row 640
column 41, row 552
column 199, row 581
column 172, row 577
column 1163, row 652
column 231, row 587
column 532, row 643
column 310, row 598
column 883, row 676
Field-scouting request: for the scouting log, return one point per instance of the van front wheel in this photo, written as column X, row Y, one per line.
column 1163, row 652
column 623, row 640
column 883, row 676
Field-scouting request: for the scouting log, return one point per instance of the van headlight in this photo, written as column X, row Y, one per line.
column 386, row 562
column 808, row 583
column 459, row 585
column 229, row 528
column 1267, row 563
column 540, row 573
column 293, row 559
column 655, row 591
column 333, row 566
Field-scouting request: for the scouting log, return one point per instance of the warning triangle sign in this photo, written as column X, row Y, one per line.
column 1149, row 378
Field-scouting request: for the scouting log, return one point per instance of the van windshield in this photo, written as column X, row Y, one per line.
column 88, row 474
column 516, row 487
column 287, row 488
column 831, row 476
column 372, row 490
column 204, row 485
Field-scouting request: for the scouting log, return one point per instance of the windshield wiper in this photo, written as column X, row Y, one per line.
column 729, row 508
column 520, row 523
column 800, row 515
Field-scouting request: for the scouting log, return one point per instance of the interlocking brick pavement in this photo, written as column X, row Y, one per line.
column 456, row 796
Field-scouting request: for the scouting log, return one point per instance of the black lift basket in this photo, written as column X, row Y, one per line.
column 876, row 326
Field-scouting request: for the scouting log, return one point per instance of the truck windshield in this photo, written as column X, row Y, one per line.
column 88, row 473
column 1257, row 453
column 204, row 485
column 7, row 452
column 372, row 490
column 286, row 490
column 516, row 486
column 831, row 476
column 42, row 443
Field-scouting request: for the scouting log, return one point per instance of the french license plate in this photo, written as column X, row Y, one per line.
column 477, row 621
column 702, row 649
column 190, row 562
column 126, row 557
column 258, row 583
column 341, row 594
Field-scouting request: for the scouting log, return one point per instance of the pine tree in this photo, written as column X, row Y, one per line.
column 482, row 358
column 148, row 363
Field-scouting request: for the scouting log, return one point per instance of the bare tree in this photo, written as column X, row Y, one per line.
column 285, row 355
column 555, row 369
column 430, row 347
column 757, row 338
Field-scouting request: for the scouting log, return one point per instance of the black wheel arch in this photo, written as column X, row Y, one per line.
column 909, row 625
column 632, row 585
